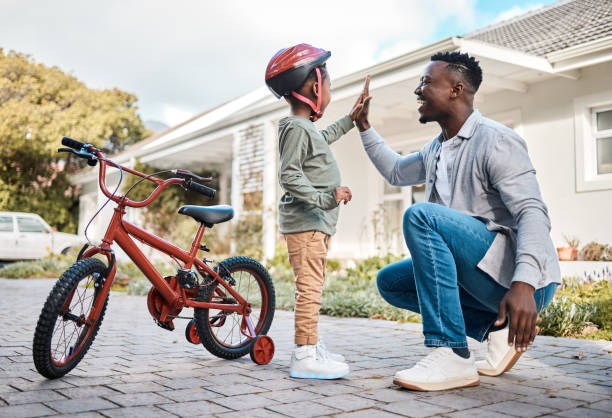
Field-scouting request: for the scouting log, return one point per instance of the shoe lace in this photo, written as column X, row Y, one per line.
column 321, row 350
column 429, row 359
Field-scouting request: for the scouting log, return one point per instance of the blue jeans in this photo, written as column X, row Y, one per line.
column 441, row 281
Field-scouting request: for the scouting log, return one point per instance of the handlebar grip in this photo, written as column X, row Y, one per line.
column 72, row 143
column 200, row 188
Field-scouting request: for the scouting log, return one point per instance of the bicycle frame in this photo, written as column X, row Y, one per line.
column 120, row 231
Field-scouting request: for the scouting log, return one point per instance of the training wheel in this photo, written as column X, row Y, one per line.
column 191, row 333
column 262, row 349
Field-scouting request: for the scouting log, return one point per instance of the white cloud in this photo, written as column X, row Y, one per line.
column 183, row 57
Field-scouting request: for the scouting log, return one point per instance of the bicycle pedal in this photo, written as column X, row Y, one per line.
column 165, row 325
column 187, row 279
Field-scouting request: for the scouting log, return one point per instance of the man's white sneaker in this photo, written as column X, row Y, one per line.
column 307, row 363
column 324, row 352
column 500, row 356
column 441, row 369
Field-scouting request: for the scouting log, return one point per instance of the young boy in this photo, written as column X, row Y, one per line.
column 308, row 211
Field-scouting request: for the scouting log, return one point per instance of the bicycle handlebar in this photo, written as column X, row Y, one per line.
column 85, row 150
column 200, row 188
column 72, row 143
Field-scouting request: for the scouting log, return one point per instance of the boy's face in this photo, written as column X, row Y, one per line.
column 326, row 93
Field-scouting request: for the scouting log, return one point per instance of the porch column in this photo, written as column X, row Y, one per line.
column 269, row 190
column 236, row 195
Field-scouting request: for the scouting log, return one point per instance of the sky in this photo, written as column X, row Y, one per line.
column 185, row 56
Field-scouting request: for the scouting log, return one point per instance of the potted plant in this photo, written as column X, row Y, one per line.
column 569, row 253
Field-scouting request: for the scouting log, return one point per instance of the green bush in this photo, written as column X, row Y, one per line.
column 580, row 309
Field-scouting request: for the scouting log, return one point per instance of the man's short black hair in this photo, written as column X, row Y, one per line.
column 464, row 64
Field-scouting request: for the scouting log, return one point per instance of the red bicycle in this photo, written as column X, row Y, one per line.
column 233, row 300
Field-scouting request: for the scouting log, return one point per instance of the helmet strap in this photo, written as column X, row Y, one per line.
column 316, row 108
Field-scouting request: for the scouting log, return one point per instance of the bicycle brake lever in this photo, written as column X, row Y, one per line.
column 188, row 174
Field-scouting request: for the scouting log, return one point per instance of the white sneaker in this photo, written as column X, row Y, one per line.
column 500, row 356
column 324, row 352
column 439, row 370
column 307, row 363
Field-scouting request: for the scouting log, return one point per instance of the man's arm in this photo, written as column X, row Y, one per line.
column 334, row 131
column 397, row 170
column 513, row 176
column 293, row 150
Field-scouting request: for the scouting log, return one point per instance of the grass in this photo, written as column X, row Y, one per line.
column 581, row 309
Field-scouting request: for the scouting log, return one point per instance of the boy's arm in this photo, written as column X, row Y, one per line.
column 334, row 131
column 397, row 170
column 293, row 151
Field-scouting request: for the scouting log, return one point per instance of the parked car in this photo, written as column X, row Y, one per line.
column 26, row 236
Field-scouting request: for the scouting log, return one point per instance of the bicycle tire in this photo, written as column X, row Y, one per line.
column 65, row 290
column 202, row 316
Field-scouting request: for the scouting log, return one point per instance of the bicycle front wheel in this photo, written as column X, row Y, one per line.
column 220, row 330
column 65, row 330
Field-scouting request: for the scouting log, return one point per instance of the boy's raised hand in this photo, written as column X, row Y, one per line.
column 360, row 111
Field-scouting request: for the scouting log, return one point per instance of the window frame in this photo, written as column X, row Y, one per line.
column 597, row 134
column 585, row 135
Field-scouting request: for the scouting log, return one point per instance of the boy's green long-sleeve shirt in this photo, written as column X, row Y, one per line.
column 308, row 174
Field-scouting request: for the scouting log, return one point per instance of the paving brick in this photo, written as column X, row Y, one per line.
column 244, row 402
column 88, row 392
column 388, row 395
column 518, row 409
column 450, row 400
column 186, row 395
column 291, row 395
column 138, row 387
column 347, row 402
column 252, row 413
column 414, row 408
column 552, row 401
column 191, row 409
column 138, row 399
column 239, row 389
column 368, row 413
column 580, row 395
column 584, row 413
column 31, row 396
column 69, row 406
column 26, row 410
column 475, row 413
column 303, row 409
column 137, row 412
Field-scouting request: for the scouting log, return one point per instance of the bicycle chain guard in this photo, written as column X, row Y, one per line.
column 158, row 306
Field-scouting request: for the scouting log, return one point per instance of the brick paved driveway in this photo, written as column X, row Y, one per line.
column 135, row 368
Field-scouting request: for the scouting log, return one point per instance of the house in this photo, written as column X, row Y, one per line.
column 547, row 74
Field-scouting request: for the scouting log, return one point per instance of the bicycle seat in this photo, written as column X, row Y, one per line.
column 208, row 215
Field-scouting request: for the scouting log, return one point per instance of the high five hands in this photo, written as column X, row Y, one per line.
column 361, row 108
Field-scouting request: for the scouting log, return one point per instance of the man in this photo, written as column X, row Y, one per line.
column 483, row 263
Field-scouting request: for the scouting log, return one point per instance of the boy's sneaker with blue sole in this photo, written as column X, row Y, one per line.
column 309, row 363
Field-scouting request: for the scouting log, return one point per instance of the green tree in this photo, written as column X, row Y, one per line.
column 38, row 106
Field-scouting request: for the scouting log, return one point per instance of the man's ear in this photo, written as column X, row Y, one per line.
column 457, row 90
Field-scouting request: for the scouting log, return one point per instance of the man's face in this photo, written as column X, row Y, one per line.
column 433, row 92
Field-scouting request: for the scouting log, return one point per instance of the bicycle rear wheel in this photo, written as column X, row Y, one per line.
column 63, row 334
column 220, row 330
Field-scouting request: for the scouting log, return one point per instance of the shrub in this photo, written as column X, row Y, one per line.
column 595, row 251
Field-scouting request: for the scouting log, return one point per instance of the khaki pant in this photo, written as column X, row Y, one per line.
column 307, row 256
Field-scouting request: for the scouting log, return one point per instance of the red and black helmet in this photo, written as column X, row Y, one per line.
column 289, row 68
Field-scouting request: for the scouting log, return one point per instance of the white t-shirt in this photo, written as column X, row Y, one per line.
column 448, row 152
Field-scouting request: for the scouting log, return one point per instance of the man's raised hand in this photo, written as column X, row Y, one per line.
column 360, row 111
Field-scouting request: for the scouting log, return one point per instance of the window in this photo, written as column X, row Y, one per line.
column 27, row 224
column 593, row 134
column 602, row 124
column 6, row 224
